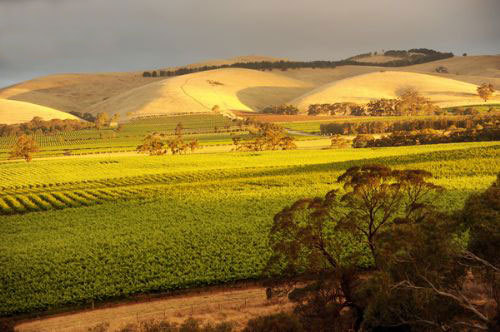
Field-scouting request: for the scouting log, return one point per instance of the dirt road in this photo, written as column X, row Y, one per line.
column 236, row 305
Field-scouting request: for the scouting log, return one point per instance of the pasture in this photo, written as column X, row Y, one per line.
column 78, row 230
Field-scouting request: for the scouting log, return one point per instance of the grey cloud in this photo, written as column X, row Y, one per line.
column 47, row 36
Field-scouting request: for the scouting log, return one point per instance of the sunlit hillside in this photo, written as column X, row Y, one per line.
column 389, row 84
column 247, row 90
column 229, row 88
column 12, row 111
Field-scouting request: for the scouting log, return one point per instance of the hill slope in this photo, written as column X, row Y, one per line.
column 229, row 88
column 13, row 111
column 388, row 84
column 73, row 92
column 79, row 92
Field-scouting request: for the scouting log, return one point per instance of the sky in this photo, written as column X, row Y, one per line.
column 41, row 37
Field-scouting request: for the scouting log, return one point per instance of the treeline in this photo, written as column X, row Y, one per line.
column 39, row 126
column 427, row 136
column 281, row 109
column 431, row 55
column 382, row 127
column 410, row 102
column 85, row 116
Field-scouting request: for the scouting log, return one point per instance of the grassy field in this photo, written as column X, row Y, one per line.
column 202, row 127
column 78, row 230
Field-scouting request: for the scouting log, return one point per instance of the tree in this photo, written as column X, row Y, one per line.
column 194, row 145
column 339, row 142
column 24, row 148
column 378, row 254
column 266, row 136
column 178, row 129
column 102, row 120
column 485, row 91
column 116, row 117
column 338, row 237
column 153, row 145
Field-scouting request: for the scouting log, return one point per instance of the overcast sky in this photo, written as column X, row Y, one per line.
column 40, row 37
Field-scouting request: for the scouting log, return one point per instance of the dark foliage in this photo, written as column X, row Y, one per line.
column 263, row 136
column 382, row 258
column 284, row 65
column 281, row 109
column 429, row 136
column 280, row 322
column 39, row 126
column 437, row 123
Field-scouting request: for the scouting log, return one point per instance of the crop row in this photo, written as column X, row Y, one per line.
column 208, row 230
column 19, row 204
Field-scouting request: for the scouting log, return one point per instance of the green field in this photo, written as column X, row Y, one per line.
column 208, row 129
column 83, row 229
column 313, row 127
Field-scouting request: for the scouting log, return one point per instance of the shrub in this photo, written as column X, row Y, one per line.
column 280, row 322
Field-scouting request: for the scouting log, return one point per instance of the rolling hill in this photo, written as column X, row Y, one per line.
column 388, row 84
column 243, row 89
column 13, row 111
column 228, row 88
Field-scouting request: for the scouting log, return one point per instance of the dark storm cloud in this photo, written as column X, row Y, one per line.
column 40, row 37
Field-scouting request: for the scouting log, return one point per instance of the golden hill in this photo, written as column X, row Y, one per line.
column 12, row 111
column 389, row 84
column 73, row 92
column 112, row 92
column 228, row 88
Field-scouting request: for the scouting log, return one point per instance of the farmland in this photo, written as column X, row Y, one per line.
column 78, row 230
column 209, row 129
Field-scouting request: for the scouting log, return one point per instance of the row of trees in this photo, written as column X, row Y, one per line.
column 39, row 126
column 379, row 255
column 427, row 136
column 382, row 127
column 284, row 65
column 409, row 102
column 157, row 144
column 281, row 109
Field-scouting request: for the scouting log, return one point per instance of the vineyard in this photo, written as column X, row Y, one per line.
column 209, row 129
column 79, row 230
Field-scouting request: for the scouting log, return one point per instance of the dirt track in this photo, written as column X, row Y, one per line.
column 232, row 305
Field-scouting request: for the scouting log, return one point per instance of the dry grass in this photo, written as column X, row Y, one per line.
column 239, row 89
column 243, row 89
column 234, row 305
column 74, row 92
column 389, row 84
column 12, row 111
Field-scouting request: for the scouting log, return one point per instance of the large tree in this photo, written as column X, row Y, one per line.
column 24, row 147
column 380, row 249
column 338, row 235
column 152, row 144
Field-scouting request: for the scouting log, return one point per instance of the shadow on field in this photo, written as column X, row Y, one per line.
column 454, row 155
